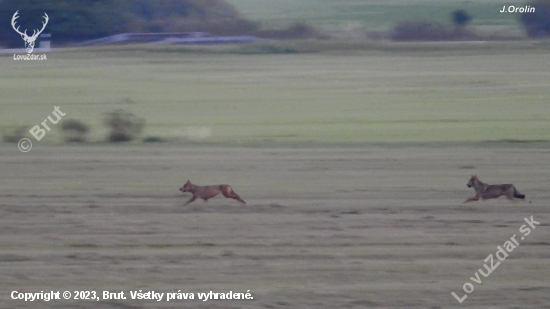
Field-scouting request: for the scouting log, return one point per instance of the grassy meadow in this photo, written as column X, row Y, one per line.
column 224, row 98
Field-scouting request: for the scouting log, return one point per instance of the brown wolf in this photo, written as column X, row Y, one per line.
column 486, row 191
column 208, row 192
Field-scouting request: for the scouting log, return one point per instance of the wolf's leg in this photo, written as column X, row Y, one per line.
column 238, row 198
column 511, row 198
column 194, row 197
column 235, row 196
column 229, row 193
column 519, row 199
column 472, row 199
column 510, row 194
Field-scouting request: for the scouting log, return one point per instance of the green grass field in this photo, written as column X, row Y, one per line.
column 377, row 14
column 318, row 98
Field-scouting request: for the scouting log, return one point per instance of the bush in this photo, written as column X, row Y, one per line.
column 14, row 135
column 429, row 31
column 74, row 130
column 420, row 31
column 460, row 18
column 124, row 126
column 295, row 31
column 153, row 139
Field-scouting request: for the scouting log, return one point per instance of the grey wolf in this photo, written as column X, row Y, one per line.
column 208, row 192
column 486, row 191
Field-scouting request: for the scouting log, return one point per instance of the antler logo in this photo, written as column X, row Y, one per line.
column 29, row 40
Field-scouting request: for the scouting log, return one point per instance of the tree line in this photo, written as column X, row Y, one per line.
column 79, row 20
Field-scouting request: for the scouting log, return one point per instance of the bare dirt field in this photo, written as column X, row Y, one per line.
column 351, row 226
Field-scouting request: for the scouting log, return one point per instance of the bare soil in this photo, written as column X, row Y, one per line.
column 356, row 226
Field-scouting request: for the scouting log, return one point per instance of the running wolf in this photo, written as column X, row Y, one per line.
column 486, row 191
column 208, row 192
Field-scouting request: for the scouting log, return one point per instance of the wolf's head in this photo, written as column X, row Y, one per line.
column 473, row 181
column 187, row 187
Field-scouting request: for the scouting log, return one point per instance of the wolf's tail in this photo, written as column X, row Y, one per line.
column 518, row 195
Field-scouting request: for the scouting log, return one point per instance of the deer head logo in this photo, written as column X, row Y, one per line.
column 29, row 40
